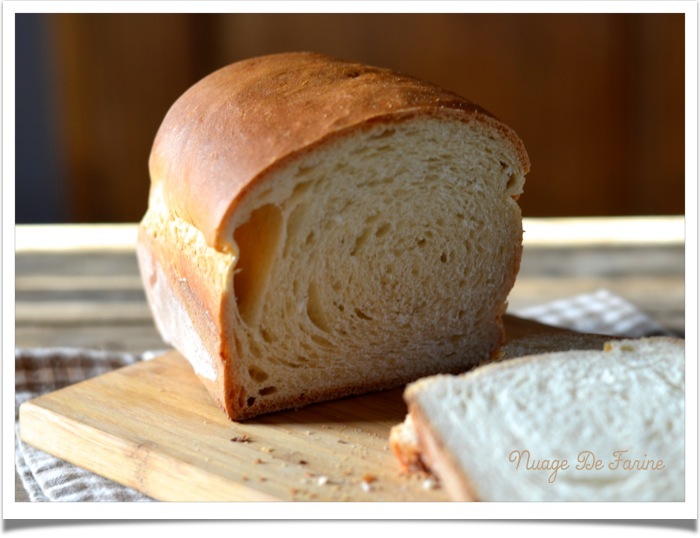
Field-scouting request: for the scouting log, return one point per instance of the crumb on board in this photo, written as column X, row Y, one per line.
column 303, row 462
column 368, row 481
column 257, row 461
column 322, row 480
column 430, row 483
column 241, row 439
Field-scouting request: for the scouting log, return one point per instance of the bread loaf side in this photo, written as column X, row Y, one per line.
column 318, row 228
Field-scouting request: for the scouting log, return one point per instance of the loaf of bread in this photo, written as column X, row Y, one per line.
column 318, row 228
column 580, row 425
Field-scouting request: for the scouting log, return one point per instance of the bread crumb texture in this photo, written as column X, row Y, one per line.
column 605, row 425
column 380, row 259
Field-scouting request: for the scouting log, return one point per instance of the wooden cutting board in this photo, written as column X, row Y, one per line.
column 153, row 427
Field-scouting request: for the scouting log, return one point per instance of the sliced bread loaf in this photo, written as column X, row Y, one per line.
column 318, row 228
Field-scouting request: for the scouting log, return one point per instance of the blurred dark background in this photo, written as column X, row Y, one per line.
column 597, row 98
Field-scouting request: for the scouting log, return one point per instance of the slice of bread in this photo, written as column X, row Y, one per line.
column 583, row 425
column 318, row 228
column 403, row 439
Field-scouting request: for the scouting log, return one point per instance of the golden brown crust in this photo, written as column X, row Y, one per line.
column 176, row 286
column 441, row 461
column 404, row 444
column 233, row 126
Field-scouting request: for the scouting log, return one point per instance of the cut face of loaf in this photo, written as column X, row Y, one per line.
column 502, row 431
column 380, row 253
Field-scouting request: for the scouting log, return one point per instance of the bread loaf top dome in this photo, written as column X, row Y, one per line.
column 240, row 122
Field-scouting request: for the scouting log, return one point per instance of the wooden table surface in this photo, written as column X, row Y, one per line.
column 79, row 286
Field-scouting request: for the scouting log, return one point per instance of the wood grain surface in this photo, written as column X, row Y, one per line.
column 152, row 426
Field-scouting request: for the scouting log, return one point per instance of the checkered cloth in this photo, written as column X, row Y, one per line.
column 39, row 371
column 600, row 312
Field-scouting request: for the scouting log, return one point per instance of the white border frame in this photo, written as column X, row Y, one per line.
column 364, row 511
